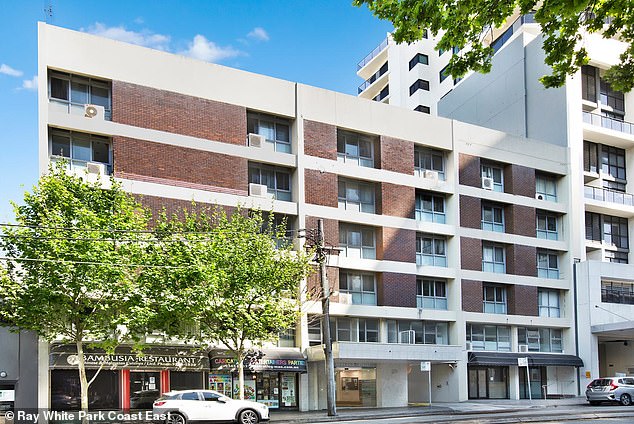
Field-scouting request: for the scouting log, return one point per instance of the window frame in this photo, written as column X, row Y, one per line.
column 541, row 339
column 493, row 265
column 549, row 309
column 277, row 171
column 424, row 331
column 74, row 137
column 417, row 59
column 345, row 204
column 366, row 251
column 423, row 214
column 360, row 296
column 419, row 84
column 428, row 159
column 493, row 224
column 431, row 294
column 498, row 304
column 91, row 84
column 349, row 138
column 546, row 181
column 435, row 254
column 254, row 120
column 547, row 218
column 496, row 338
column 545, row 267
column 488, row 170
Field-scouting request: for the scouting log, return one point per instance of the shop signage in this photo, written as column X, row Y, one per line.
column 7, row 395
column 130, row 360
column 262, row 364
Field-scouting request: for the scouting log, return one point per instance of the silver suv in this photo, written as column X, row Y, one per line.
column 611, row 389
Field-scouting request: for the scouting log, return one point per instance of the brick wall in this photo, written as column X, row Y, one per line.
column 471, row 296
column 521, row 260
column 519, row 180
column 396, row 244
column 331, row 230
column 162, row 110
column 320, row 140
column 158, row 205
column 321, row 188
column 522, row 300
column 520, row 220
column 397, row 200
column 396, row 289
column 469, row 173
column 471, row 253
column 397, row 155
column 470, row 212
column 314, row 287
column 164, row 163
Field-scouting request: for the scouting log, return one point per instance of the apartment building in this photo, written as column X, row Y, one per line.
column 594, row 122
column 452, row 241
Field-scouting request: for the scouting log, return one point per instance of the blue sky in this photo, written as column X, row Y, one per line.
column 315, row 42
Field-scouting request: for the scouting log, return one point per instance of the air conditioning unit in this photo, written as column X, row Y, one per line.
column 256, row 140
column 430, row 175
column 94, row 111
column 96, row 168
column 258, row 190
column 468, row 346
column 345, row 298
column 487, row 183
column 522, row 348
column 539, row 196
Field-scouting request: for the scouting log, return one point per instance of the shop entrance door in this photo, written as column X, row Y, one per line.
column 269, row 390
column 538, row 379
column 145, row 388
column 478, row 383
column 488, row 383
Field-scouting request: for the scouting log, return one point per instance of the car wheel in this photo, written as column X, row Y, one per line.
column 248, row 416
column 595, row 402
column 626, row 400
column 175, row 418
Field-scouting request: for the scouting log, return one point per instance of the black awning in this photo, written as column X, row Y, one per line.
column 534, row 359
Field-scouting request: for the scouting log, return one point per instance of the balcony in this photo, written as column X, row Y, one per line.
column 374, row 53
column 373, row 78
column 609, row 123
column 605, row 195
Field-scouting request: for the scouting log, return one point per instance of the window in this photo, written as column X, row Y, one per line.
column 277, row 131
column 355, row 148
column 443, row 74
column 612, row 98
column 190, row 396
column 417, row 332
column 430, row 208
column 547, row 264
column 613, row 162
column 79, row 149
column 494, row 299
column 314, row 330
column 357, row 241
column 616, row 257
column 430, row 250
column 590, row 157
column 276, row 179
column 540, row 339
column 75, row 92
column 546, row 187
column 344, row 329
column 383, row 94
column 547, row 226
column 429, row 160
column 589, row 83
column 489, row 337
column 431, row 294
column 617, row 292
column 210, row 396
column 615, row 231
column 593, row 226
column 419, row 58
column 419, row 85
column 360, row 286
column 493, row 218
column 286, row 338
column 548, row 301
column 356, row 196
column 493, row 258
column 495, row 173
column 281, row 226
column 424, row 109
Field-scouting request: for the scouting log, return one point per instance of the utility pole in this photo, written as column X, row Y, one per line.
column 325, row 324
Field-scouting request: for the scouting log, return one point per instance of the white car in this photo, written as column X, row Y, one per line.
column 191, row 406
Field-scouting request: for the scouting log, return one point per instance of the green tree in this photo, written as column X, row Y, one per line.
column 466, row 23
column 71, row 274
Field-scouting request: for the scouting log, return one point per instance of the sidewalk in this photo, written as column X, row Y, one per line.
column 441, row 408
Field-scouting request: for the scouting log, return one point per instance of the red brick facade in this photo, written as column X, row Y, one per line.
column 519, row 180
column 396, row 244
column 397, row 155
column 397, row 200
column 522, row 300
column 331, row 230
column 321, row 188
column 470, row 212
column 469, row 173
column 320, row 140
column 472, row 296
column 520, row 220
column 471, row 253
column 166, row 164
column 396, row 289
column 162, row 110
column 521, row 260
column 313, row 283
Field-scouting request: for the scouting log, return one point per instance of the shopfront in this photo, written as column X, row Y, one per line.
column 356, row 386
column 272, row 379
column 125, row 380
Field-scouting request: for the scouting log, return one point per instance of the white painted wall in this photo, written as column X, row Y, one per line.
column 391, row 384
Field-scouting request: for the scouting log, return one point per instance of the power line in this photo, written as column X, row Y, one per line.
column 7, row 259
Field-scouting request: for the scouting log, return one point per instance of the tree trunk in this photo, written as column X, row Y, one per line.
column 241, row 375
column 82, row 376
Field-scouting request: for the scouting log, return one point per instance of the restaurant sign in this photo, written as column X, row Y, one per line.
column 131, row 361
column 262, row 364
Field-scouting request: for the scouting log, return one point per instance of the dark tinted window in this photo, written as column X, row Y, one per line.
column 190, row 396
column 210, row 396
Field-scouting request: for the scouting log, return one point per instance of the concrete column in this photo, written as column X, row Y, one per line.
column 514, row 381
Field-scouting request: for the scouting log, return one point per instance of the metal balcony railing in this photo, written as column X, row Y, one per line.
column 605, row 195
column 373, row 78
column 608, row 122
column 372, row 54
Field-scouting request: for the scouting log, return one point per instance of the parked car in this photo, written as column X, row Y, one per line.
column 143, row 399
column 191, row 406
column 611, row 389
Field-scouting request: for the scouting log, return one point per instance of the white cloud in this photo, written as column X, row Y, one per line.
column 144, row 38
column 7, row 70
column 203, row 49
column 259, row 34
column 30, row 84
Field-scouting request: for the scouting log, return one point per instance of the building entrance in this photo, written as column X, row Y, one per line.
column 488, row 383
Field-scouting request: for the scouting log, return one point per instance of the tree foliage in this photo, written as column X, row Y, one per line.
column 70, row 269
column 466, row 24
